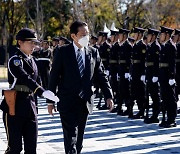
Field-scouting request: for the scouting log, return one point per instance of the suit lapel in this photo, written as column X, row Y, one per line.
column 73, row 60
column 87, row 62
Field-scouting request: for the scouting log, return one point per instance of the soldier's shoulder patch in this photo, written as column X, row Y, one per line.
column 143, row 51
column 16, row 62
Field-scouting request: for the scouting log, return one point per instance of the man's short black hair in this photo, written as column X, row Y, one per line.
column 75, row 25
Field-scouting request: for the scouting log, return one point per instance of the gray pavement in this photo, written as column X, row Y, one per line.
column 106, row 133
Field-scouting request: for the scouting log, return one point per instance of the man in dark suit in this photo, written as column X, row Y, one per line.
column 73, row 70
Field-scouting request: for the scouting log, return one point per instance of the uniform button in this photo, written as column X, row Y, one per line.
column 32, row 73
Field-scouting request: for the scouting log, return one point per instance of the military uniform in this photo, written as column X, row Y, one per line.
column 137, row 70
column 23, row 77
column 152, row 70
column 167, row 70
column 124, row 54
column 44, row 65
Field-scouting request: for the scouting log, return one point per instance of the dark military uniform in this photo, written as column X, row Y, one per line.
column 177, row 32
column 167, row 70
column 23, row 76
column 113, row 64
column 44, row 64
column 152, row 70
column 104, row 51
column 124, row 54
column 137, row 70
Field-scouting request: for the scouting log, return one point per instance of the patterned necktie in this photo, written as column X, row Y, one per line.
column 80, row 63
column 81, row 69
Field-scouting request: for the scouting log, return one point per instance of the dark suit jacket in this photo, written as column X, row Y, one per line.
column 66, row 76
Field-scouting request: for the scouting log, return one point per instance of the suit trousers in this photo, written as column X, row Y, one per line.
column 18, row 127
column 73, row 123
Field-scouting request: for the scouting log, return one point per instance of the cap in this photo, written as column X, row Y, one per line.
column 101, row 33
column 153, row 31
column 123, row 31
column 65, row 40
column 27, row 34
column 138, row 30
column 166, row 30
column 114, row 30
column 56, row 38
column 176, row 31
column 131, row 39
column 94, row 37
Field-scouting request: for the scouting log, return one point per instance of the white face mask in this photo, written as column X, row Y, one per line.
column 84, row 41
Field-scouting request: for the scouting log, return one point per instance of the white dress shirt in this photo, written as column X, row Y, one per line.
column 82, row 50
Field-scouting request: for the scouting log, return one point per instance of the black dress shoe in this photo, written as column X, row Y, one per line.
column 151, row 120
column 130, row 115
column 120, row 112
column 114, row 110
column 170, row 124
column 139, row 115
column 104, row 107
column 125, row 113
column 163, row 123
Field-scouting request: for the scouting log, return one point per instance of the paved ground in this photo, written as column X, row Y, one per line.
column 106, row 133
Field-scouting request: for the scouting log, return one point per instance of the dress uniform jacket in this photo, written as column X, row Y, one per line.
column 104, row 51
column 167, row 70
column 178, row 68
column 23, row 72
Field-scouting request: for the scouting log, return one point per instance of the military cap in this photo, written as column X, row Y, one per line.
column 176, row 31
column 131, row 39
column 123, row 31
column 138, row 30
column 65, row 40
column 153, row 31
column 27, row 34
column 94, row 37
column 114, row 32
column 166, row 30
column 55, row 38
column 101, row 33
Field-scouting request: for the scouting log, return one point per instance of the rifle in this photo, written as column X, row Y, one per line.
column 10, row 97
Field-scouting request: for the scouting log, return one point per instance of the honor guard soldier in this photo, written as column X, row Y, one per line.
column 113, row 63
column 104, row 51
column 151, row 75
column 19, row 109
column 93, row 41
column 167, row 69
column 177, row 42
column 55, row 43
column 44, row 63
column 137, row 73
column 124, row 50
column 63, row 41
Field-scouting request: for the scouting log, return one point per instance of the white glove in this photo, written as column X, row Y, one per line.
column 130, row 77
column 106, row 72
column 127, row 75
column 143, row 78
column 50, row 95
column 172, row 82
column 154, row 79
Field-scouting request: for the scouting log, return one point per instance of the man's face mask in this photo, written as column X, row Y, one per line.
column 84, row 41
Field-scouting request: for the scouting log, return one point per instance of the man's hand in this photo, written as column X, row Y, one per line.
column 51, row 107
column 110, row 104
